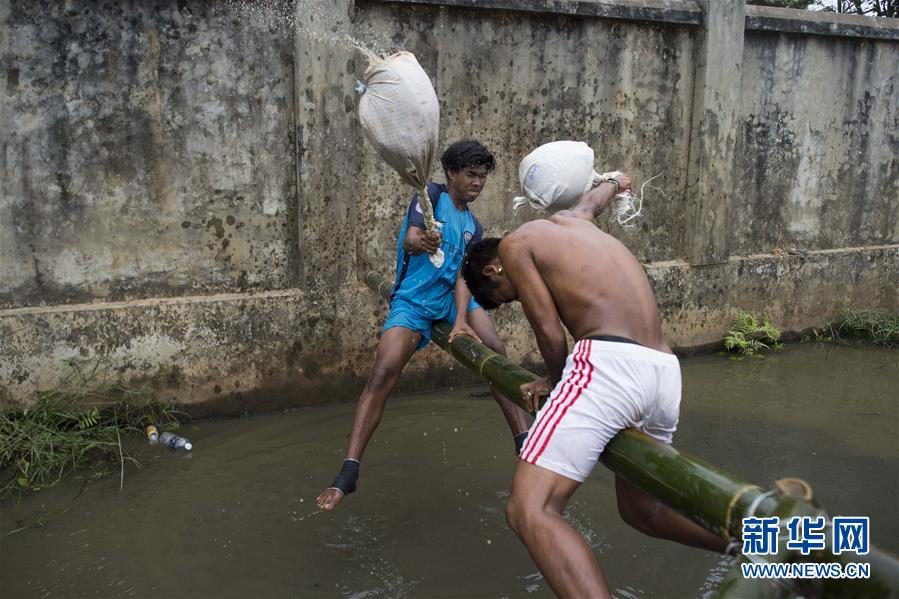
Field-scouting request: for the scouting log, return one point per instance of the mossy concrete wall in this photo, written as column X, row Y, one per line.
column 148, row 152
column 187, row 197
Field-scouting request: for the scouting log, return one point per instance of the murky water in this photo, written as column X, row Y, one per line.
column 236, row 517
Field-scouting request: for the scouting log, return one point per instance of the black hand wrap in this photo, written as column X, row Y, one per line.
column 345, row 481
column 519, row 441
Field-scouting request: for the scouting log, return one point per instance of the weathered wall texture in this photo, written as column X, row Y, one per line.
column 147, row 152
column 625, row 88
column 187, row 196
column 819, row 141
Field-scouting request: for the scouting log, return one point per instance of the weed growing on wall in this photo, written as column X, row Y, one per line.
column 748, row 335
column 77, row 426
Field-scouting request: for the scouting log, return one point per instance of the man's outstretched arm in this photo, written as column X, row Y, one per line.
column 592, row 203
column 537, row 303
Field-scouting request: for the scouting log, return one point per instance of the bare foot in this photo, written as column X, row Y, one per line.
column 329, row 499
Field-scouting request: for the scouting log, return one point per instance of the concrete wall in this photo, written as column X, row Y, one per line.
column 147, row 152
column 187, row 196
column 819, row 140
column 623, row 87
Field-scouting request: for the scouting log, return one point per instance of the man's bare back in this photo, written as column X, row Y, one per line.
column 598, row 287
column 567, row 273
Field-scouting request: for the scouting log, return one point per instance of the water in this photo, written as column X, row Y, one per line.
column 236, row 517
column 310, row 19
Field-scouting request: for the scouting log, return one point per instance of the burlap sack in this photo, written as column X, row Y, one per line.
column 554, row 176
column 400, row 116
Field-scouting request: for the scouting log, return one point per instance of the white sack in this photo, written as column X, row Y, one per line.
column 555, row 175
column 400, row 116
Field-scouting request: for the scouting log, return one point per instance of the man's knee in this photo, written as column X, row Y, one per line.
column 383, row 375
column 486, row 330
column 496, row 345
column 640, row 513
column 522, row 514
column 515, row 511
column 491, row 339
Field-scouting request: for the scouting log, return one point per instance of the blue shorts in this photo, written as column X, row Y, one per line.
column 412, row 317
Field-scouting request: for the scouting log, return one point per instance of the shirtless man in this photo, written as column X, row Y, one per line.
column 620, row 374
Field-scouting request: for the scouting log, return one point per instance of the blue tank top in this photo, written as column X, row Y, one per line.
column 420, row 283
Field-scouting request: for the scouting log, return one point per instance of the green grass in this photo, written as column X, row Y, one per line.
column 877, row 326
column 750, row 334
column 76, row 427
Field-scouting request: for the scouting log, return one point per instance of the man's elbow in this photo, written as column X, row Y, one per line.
column 592, row 203
column 552, row 340
column 409, row 243
column 590, row 210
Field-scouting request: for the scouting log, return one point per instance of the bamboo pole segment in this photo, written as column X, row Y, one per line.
column 502, row 374
column 710, row 496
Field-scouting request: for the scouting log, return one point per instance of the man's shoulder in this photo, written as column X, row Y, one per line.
column 565, row 217
column 414, row 211
column 435, row 190
column 517, row 238
column 528, row 236
column 530, row 228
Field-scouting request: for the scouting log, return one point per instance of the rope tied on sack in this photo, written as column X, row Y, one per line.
column 626, row 206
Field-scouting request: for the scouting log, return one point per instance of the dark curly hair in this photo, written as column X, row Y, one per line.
column 467, row 152
column 479, row 255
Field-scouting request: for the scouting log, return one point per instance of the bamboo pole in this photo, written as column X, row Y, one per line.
column 502, row 374
column 710, row 496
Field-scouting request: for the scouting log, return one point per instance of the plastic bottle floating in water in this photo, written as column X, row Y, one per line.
column 152, row 434
column 175, row 441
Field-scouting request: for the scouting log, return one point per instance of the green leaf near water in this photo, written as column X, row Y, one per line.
column 89, row 419
column 749, row 335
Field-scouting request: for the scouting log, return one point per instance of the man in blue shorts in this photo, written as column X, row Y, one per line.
column 424, row 294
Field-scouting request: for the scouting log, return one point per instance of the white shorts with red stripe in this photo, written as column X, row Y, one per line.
column 607, row 386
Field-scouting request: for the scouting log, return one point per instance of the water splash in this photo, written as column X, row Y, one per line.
column 716, row 576
column 309, row 19
column 363, row 538
column 534, row 583
column 628, row 593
